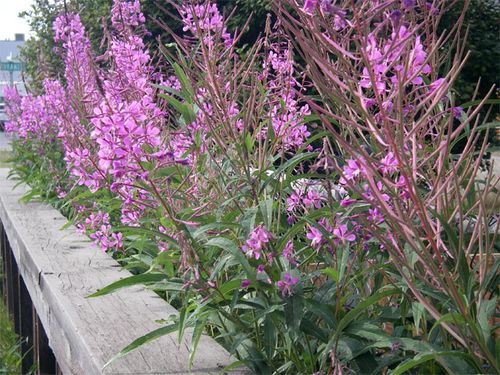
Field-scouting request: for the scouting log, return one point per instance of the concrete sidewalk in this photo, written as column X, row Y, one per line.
column 4, row 142
column 5, row 149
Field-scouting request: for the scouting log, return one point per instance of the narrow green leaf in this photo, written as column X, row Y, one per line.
column 294, row 312
column 184, row 109
column 288, row 165
column 230, row 246
column 266, row 209
column 153, row 335
column 426, row 357
column 197, row 332
column 187, row 89
column 359, row 309
column 129, row 281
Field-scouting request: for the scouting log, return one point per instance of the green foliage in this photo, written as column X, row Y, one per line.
column 43, row 62
column 38, row 51
column 482, row 40
column 10, row 345
column 350, row 309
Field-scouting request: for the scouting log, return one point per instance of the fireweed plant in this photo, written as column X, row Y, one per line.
column 310, row 217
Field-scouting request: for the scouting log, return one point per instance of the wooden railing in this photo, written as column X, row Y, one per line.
column 49, row 272
column 34, row 345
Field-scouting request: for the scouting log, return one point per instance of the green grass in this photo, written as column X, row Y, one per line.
column 10, row 354
column 10, row 342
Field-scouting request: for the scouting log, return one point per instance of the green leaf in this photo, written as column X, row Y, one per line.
column 170, row 90
column 354, row 313
column 290, row 164
column 129, row 281
column 249, row 142
column 187, row 89
column 230, row 246
column 197, row 332
column 166, row 171
column 199, row 232
column 270, row 337
column 184, row 109
column 294, row 310
column 418, row 312
column 486, row 310
column 153, row 335
column 452, row 317
column 248, row 220
column 363, row 305
column 343, row 262
column 126, row 231
column 331, row 273
column 232, row 366
column 266, row 209
column 182, row 323
column 229, row 286
column 490, row 125
column 461, row 368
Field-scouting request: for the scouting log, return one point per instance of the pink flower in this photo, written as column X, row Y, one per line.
column 343, row 235
column 309, row 6
column 206, row 19
column 403, row 186
column 254, row 245
column 293, row 201
column 389, row 164
column 245, row 284
column 375, row 216
column 346, row 202
column 288, row 253
column 286, row 283
column 315, row 236
column 457, row 112
column 369, row 195
column 313, row 198
column 436, row 84
column 352, row 171
column 325, row 223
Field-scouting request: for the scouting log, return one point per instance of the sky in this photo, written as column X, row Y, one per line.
column 10, row 23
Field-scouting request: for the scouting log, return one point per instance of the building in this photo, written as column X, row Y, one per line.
column 9, row 51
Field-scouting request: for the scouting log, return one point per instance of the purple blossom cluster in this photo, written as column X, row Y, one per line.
column 205, row 22
column 286, row 113
column 116, row 136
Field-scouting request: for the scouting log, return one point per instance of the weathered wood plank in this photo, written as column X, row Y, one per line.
column 60, row 268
